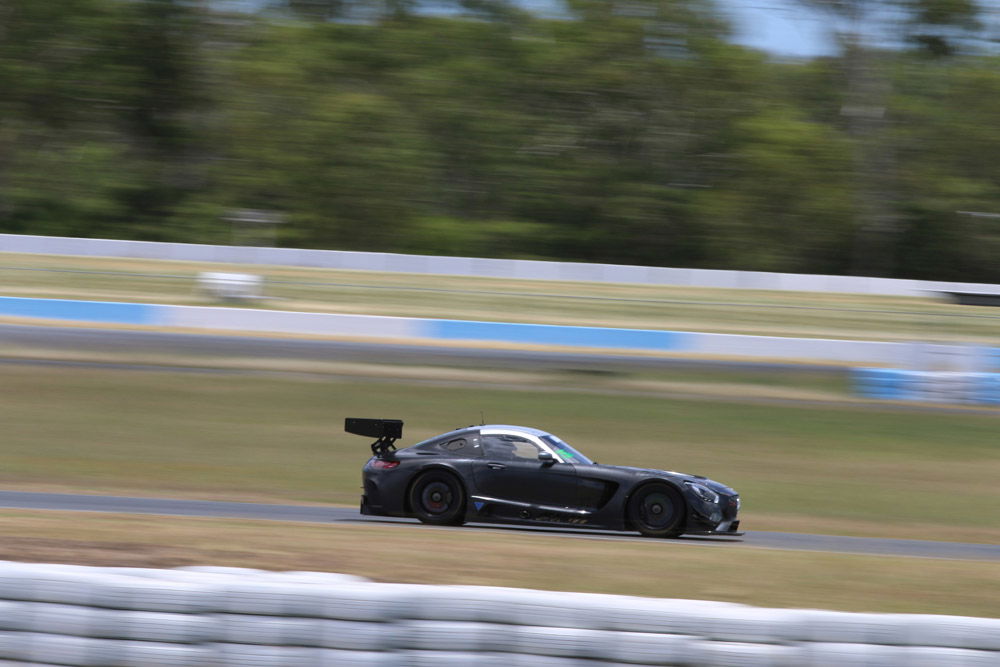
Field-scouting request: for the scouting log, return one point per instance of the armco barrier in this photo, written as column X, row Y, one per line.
column 230, row 617
column 480, row 267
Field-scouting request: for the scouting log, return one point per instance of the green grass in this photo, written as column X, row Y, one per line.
column 547, row 302
column 845, row 469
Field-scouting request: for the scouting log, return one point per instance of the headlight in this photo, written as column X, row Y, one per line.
column 703, row 492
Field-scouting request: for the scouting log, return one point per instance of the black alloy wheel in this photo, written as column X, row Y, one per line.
column 437, row 497
column 657, row 510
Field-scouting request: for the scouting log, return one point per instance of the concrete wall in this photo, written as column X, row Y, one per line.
column 227, row 617
column 471, row 266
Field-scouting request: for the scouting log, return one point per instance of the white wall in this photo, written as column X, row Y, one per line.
column 470, row 266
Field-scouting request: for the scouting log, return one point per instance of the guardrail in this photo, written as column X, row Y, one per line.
column 195, row 617
column 473, row 266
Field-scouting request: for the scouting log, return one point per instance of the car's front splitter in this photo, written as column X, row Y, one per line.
column 729, row 528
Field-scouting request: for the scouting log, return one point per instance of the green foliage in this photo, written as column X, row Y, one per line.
column 479, row 238
column 787, row 205
column 621, row 132
column 97, row 122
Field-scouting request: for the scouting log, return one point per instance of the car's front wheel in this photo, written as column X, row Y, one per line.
column 657, row 510
column 437, row 497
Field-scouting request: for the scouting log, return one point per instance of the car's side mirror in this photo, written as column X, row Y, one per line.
column 546, row 458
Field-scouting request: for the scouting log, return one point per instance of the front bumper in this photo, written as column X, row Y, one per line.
column 719, row 518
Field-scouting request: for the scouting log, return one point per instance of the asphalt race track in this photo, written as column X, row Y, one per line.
column 274, row 346
column 342, row 515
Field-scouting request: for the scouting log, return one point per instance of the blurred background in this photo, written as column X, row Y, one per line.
column 845, row 137
column 821, row 136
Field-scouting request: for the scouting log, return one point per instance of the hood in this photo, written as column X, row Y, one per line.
column 718, row 487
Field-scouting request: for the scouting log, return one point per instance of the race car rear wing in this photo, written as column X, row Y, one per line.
column 386, row 430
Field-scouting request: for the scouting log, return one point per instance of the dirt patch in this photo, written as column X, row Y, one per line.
column 104, row 554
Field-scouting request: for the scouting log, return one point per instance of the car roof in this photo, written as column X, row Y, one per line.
column 500, row 427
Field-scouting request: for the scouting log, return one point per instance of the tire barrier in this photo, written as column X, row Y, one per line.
column 928, row 386
column 481, row 267
column 231, row 617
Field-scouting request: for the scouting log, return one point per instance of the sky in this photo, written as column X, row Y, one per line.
column 783, row 28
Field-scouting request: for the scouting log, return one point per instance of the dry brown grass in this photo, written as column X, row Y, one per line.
column 421, row 554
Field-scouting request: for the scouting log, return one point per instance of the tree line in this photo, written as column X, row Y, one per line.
column 619, row 131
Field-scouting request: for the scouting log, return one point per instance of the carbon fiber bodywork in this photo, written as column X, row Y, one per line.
column 557, row 486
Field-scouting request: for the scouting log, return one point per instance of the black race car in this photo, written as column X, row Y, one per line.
column 515, row 474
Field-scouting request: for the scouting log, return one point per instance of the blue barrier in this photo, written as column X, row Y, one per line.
column 988, row 388
column 894, row 384
column 992, row 356
column 545, row 334
column 81, row 311
column 889, row 384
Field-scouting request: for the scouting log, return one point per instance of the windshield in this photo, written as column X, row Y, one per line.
column 568, row 454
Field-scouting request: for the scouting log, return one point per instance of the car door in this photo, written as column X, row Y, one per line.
column 510, row 470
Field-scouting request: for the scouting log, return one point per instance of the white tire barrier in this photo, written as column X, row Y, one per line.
column 559, row 642
column 837, row 626
column 740, row 654
column 954, row 632
column 464, row 636
column 921, row 656
column 75, row 616
column 113, row 624
column 647, row 648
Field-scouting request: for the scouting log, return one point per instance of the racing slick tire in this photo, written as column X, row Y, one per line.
column 437, row 497
column 656, row 510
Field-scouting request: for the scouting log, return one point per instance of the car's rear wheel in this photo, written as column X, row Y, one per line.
column 438, row 497
column 656, row 510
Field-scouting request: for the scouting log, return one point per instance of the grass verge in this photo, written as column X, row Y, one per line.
column 847, row 469
column 420, row 554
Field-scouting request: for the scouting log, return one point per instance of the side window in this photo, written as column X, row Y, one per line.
column 496, row 448
column 455, row 445
column 510, row 447
column 464, row 447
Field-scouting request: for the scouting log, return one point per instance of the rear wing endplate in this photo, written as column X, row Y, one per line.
column 387, row 431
